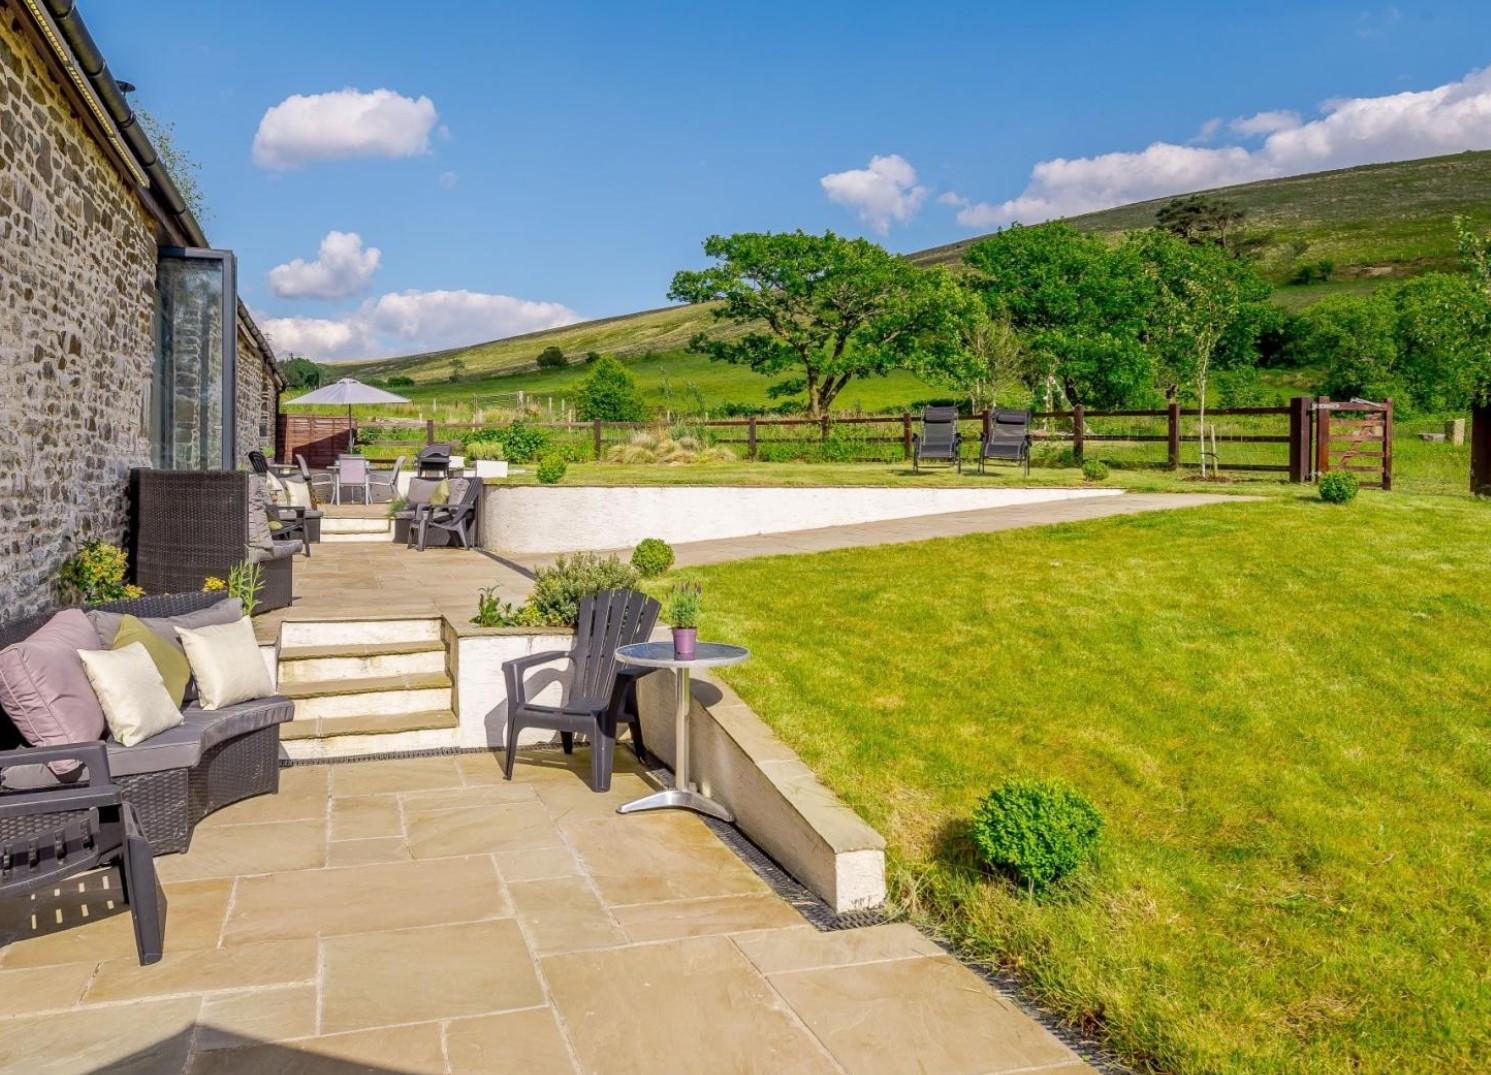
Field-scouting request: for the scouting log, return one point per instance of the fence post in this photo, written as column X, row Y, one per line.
column 429, row 431
column 751, row 436
column 1299, row 439
column 1387, row 447
column 823, row 427
column 1173, row 429
column 906, row 434
column 1322, row 437
column 1079, row 420
column 1480, row 449
column 597, row 427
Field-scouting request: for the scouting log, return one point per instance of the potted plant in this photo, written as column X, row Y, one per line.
column 683, row 616
column 490, row 459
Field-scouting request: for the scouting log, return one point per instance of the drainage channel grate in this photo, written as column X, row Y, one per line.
column 817, row 913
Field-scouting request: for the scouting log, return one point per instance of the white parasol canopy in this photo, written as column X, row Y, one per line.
column 348, row 390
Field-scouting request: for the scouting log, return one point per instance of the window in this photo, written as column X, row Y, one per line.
column 192, row 411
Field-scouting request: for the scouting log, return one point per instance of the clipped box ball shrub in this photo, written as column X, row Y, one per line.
column 551, row 470
column 1339, row 487
column 1036, row 831
column 652, row 557
column 1095, row 470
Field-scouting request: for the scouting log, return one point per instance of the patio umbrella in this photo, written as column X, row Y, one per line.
column 350, row 391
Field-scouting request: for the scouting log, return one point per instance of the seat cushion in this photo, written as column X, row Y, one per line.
column 226, row 663
column 225, row 611
column 44, row 690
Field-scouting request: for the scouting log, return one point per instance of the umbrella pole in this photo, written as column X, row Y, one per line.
column 351, row 432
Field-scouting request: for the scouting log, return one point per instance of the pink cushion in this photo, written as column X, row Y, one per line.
column 44, row 689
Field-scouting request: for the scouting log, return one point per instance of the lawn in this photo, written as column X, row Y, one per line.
column 1282, row 709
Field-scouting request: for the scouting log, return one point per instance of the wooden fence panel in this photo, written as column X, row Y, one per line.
column 318, row 437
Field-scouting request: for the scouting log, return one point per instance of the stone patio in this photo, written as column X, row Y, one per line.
column 423, row 916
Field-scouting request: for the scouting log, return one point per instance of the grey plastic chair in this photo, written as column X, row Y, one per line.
column 600, row 690
column 456, row 517
column 61, row 832
column 939, row 439
column 352, row 473
column 388, row 482
column 316, row 482
column 1008, row 439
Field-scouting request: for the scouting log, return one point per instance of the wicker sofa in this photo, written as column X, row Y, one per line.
column 180, row 776
column 188, row 524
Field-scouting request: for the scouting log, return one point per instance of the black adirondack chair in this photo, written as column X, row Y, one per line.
column 601, row 693
column 292, row 520
column 457, row 517
column 939, row 439
column 57, row 833
column 1008, row 439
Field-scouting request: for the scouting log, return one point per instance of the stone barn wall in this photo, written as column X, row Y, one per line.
column 77, row 294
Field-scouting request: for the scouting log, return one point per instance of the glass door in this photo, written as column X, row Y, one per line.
column 192, row 409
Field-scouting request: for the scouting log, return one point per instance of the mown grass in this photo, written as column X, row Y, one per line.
column 1280, row 706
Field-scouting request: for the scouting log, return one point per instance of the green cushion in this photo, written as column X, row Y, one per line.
column 441, row 493
column 175, row 670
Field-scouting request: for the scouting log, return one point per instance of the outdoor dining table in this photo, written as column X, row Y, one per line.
column 661, row 655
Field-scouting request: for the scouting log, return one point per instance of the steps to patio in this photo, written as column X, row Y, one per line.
column 365, row 683
column 335, row 529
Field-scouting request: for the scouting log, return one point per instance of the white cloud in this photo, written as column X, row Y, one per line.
column 343, row 124
column 883, row 193
column 1208, row 130
column 342, row 268
column 951, row 197
column 1266, row 123
column 408, row 322
column 1362, row 130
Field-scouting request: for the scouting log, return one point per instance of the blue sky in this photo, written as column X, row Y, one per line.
column 538, row 163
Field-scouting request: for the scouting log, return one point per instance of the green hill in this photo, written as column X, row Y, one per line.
column 1374, row 222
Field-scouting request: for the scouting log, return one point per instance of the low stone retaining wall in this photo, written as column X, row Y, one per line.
column 525, row 519
column 777, row 800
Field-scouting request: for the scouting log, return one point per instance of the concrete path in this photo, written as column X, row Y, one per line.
column 924, row 527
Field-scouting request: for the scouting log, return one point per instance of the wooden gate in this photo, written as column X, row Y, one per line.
column 1357, row 437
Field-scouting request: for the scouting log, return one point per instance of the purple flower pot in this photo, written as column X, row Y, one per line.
column 683, row 642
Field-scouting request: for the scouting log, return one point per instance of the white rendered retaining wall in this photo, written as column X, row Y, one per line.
column 542, row 519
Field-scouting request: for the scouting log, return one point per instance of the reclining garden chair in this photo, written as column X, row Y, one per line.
column 939, row 439
column 457, row 517
column 50, row 835
column 1008, row 439
column 600, row 690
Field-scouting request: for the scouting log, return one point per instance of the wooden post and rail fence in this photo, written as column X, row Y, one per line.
column 1322, row 435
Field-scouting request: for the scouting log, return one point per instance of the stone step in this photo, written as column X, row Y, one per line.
column 302, row 664
column 359, row 629
column 365, row 725
column 343, row 525
column 371, row 696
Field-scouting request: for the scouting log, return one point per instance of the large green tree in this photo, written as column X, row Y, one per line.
column 1202, row 218
column 609, row 394
column 828, row 310
column 1079, row 305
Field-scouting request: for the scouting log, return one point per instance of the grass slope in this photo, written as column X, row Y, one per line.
column 1279, row 706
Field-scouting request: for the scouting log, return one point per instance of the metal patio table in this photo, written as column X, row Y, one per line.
column 661, row 655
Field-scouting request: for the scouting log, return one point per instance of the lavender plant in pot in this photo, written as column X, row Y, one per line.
column 684, row 601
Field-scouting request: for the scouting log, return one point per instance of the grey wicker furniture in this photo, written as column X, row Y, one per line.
column 178, row 777
column 1008, row 439
column 455, row 518
column 600, row 689
column 191, row 524
column 939, row 439
column 295, row 521
column 66, row 831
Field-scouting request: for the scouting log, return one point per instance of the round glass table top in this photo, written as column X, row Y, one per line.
column 661, row 655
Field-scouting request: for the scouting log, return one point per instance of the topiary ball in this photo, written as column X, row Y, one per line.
column 652, row 557
column 551, row 470
column 1037, row 831
column 1095, row 470
column 1339, row 487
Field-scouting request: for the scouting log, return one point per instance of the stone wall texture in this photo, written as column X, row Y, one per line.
column 77, row 294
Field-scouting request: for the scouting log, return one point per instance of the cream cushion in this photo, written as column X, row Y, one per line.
column 226, row 663
column 134, row 698
column 299, row 494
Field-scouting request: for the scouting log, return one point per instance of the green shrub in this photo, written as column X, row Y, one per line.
column 610, row 394
column 558, row 590
column 1338, row 487
column 523, row 443
column 551, row 358
column 685, row 602
column 485, row 450
column 492, row 611
column 551, row 470
column 1095, row 470
column 652, row 557
column 96, row 573
column 1036, row 831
